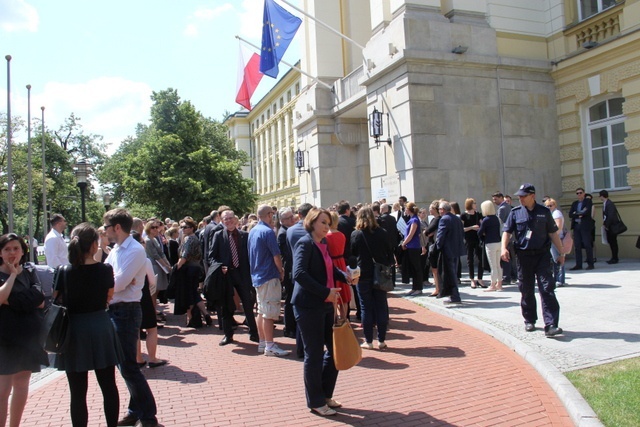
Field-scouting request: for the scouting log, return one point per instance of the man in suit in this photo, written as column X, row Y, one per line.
column 229, row 251
column 287, row 220
column 294, row 233
column 582, row 226
column 610, row 217
column 450, row 242
column 388, row 222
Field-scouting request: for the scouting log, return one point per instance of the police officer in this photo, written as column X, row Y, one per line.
column 534, row 230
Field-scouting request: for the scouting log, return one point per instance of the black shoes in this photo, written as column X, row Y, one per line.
column 552, row 331
column 612, row 261
column 208, row 320
column 129, row 420
column 157, row 364
column 529, row 327
column 575, row 267
column 226, row 340
column 590, row 267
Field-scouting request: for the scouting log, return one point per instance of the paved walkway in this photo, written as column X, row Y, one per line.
column 437, row 371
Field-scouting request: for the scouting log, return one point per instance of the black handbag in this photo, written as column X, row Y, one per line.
column 56, row 319
column 382, row 274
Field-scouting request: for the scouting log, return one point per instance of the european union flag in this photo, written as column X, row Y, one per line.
column 278, row 30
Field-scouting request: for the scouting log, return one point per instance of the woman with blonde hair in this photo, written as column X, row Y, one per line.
column 370, row 244
column 490, row 234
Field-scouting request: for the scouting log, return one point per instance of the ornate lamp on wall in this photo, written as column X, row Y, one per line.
column 300, row 162
column 376, row 129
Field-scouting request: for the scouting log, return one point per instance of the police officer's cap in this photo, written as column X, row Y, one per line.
column 525, row 189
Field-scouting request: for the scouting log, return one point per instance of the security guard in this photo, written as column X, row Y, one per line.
column 534, row 230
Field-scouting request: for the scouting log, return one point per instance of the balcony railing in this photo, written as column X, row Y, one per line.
column 597, row 28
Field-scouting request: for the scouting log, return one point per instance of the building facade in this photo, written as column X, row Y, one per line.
column 481, row 95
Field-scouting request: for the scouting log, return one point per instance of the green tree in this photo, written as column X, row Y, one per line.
column 181, row 164
column 63, row 195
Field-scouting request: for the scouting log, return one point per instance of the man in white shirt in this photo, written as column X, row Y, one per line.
column 128, row 259
column 55, row 248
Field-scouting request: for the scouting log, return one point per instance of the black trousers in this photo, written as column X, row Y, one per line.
column 613, row 244
column 248, row 299
column 535, row 266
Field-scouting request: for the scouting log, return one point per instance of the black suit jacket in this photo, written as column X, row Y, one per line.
column 450, row 236
column 609, row 214
column 207, row 238
column 586, row 221
column 388, row 222
column 220, row 253
column 310, row 275
column 346, row 225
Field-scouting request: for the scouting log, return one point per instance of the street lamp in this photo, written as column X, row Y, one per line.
column 82, row 170
column 106, row 198
column 376, row 128
column 300, row 162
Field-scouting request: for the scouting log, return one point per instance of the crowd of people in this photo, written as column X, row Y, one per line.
column 117, row 278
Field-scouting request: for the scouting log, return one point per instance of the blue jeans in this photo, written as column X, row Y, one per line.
column 373, row 303
column 126, row 318
column 558, row 270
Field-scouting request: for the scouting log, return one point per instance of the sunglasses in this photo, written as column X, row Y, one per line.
column 106, row 227
column 154, row 227
column 579, row 192
column 184, row 226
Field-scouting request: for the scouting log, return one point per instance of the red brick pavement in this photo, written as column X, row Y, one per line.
column 436, row 372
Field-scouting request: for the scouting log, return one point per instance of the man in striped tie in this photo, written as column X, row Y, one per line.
column 229, row 250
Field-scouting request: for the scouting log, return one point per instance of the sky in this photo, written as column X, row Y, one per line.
column 102, row 60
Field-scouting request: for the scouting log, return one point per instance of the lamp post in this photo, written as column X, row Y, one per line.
column 376, row 128
column 300, row 162
column 106, row 198
column 45, row 217
column 29, row 177
column 9, row 171
column 82, row 168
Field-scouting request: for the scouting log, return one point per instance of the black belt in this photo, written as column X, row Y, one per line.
column 123, row 304
column 532, row 252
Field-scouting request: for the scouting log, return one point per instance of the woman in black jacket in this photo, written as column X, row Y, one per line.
column 313, row 299
column 368, row 243
column 21, row 299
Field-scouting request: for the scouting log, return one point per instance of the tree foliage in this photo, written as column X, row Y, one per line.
column 181, row 164
column 62, row 149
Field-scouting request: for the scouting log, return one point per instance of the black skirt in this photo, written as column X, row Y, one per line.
column 93, row 343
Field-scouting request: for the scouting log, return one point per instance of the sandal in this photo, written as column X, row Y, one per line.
column 324, row 411
column 333, row 403
column 473, row 284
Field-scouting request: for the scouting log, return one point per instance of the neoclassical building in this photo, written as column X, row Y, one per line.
column 481, row 95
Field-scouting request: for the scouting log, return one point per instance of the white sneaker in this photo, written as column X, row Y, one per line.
column 367, row 345
column 261, row 347
column 276, row 351
column 382, row 345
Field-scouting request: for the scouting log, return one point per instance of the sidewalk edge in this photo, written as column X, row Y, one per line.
column 579, row 410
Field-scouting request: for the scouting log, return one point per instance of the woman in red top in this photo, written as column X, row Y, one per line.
column 335, row 243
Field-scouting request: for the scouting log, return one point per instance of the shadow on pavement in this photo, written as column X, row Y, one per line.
column 592, row 286
column 372, row 362
column 568, row 336
column 432, row 352
column 358, row 417
column 171, row 372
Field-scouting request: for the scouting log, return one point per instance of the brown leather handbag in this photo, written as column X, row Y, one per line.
column 346, row 348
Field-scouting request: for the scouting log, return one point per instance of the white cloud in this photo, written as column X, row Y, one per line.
column 204, row 16
column 107, row 106
column 18, row 15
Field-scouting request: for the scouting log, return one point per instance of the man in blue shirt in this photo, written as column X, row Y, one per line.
column 266, row 274
column 534, row 229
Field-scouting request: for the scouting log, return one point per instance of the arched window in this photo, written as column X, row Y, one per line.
column 608, row 155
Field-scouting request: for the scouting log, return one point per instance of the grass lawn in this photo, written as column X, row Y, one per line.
column 612, row 390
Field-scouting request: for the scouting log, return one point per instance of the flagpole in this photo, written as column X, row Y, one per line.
column 9, row 171
column 45, row 226
column 323, row 24
column 289, row 65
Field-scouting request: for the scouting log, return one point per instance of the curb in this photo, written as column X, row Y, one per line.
column 579, row 410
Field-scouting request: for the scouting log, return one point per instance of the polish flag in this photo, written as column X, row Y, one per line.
column 249, row 76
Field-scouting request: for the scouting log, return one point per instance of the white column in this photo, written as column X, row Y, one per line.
column 287, row 146
column 281, row 150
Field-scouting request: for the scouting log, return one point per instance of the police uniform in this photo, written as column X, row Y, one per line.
column 532, row 243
